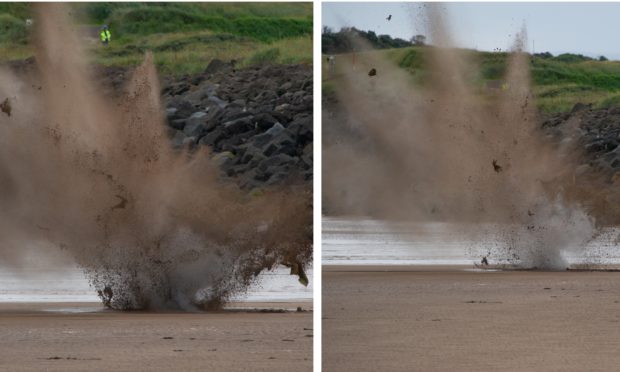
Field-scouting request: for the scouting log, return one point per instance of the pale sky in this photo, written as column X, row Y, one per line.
column 592, row 29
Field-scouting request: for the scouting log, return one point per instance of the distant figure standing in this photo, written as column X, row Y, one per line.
column 105, row 35
column 331, row 64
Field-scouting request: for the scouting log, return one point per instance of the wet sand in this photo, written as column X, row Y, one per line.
column 82, row 337
column 446, row 319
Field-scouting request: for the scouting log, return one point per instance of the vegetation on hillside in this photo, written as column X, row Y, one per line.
column 559, row 82
column 184, row 37
column 343, row 41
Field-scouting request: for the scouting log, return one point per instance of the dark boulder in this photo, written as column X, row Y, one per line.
column 237, row 126
column 195, row 124
column 276, row 160
column 281, row 144
column 183, row 109
column 213, row 137
column 258, row 118
column 264, row 120
column 178, row 124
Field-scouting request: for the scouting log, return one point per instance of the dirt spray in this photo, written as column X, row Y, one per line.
column 96, row 177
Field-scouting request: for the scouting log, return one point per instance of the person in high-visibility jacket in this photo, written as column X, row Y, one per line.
column 105, row 35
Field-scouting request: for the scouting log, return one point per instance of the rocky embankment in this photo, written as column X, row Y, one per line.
column 257, row 121
column 596, row 131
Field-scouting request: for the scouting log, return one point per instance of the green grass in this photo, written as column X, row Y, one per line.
column 562, row 98
column 12, row 52
column 561, row 82
column 102, row 12
column 610, row 101
column 149, row 19
column 184, row 37
column 13, row 30
column 191, row 52
column 558, row 83
column 17, row 10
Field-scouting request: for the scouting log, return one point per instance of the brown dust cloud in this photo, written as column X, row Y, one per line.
column 96, row 177
column 398, row 150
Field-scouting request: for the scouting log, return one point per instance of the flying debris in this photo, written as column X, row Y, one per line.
column 6, row 107
column 372, row 72
column 496, row 167
column 389, row 18
column 121, row 204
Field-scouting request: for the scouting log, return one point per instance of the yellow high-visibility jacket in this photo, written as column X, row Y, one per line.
column 105, row 36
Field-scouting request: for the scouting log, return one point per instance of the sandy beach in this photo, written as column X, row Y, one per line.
column 83, row 337
column 441, row 318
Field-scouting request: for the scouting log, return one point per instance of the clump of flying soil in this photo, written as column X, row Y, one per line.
column 439, row 152
column 152, row 227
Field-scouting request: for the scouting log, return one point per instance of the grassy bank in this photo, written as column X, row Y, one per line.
column 184, row 37
column 558, row 83
column 190, row 52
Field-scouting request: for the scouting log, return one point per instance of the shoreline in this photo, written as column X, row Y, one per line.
column 465, row 268
column 395, row 268
column 91, row 306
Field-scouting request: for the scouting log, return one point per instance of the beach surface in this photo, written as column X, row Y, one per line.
column 453, row 318
column 83, row 337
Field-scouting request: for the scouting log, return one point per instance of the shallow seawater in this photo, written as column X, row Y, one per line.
column 70, row 285
column 355, row 241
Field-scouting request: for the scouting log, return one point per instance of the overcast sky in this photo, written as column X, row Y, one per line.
column 592, row 29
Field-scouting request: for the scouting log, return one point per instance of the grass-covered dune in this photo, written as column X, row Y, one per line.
column 558, row 82
column 183, row 36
